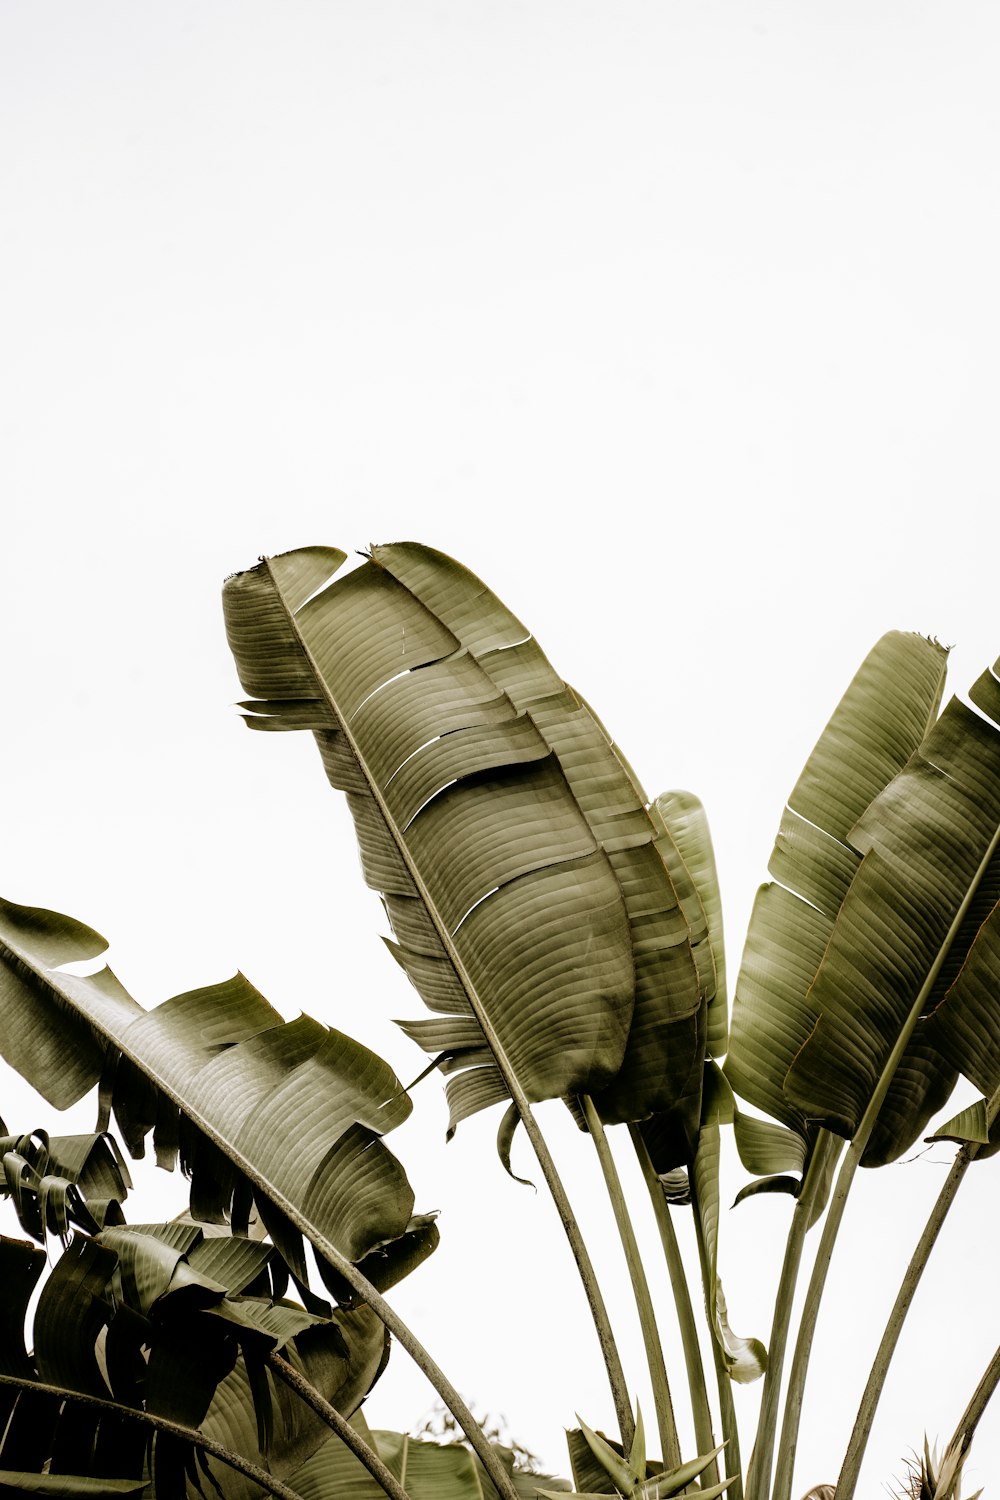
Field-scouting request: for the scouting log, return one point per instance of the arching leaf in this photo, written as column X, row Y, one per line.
column 296, row 1108
column 517, row 859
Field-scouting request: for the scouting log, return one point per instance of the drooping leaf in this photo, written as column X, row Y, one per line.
column 767, row 1147
column 778, row 1184
column 505, row 1140
column 971, row 1127
column 72, row 1310
column 388, row 1263
column 296, row 1109
column 21, row 1264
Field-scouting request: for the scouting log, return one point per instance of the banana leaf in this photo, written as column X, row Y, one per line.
column 817, row 859
column 292, row 1113
column 526, row 883
column 927, row 841
column 55, row 1182
column 153, row 1317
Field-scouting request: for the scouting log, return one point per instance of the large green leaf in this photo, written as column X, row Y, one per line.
column 876, row 728
column 519, row 866
column 927, row 840
column 297, row 1110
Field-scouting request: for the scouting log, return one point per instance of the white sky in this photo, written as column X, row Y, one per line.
column 678, row 323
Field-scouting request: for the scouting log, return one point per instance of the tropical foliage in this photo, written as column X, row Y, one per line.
column 565, row 933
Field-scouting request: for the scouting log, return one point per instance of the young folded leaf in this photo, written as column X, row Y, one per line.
column 745, row 1358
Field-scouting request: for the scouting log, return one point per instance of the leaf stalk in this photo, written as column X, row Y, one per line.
column 693, row 1363
column 854, row 1456
column 338, row 1424
column 665, row 1420
column 761, row 1460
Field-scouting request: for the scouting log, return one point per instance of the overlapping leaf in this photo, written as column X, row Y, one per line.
column 878, row 725
column 927, row 841
column 294, row 1112
column 57, row 1182
column 158, row 1317
column 515, row 853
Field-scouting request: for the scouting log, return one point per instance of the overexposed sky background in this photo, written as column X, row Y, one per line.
column 679, row 324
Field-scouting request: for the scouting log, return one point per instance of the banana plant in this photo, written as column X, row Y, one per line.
column 163, row 1357
column 540, row 905
column 565, row 933
column 849, row 1019
column 884, row 870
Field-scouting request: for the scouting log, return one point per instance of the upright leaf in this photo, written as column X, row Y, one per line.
column 926, row 841
column 878, row 724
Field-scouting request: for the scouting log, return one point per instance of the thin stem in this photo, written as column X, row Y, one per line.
column 723, row 1379
column 331, row 1416
column 969, row 1420
column 163, row 1424
column 761, row 1459
column 876, row 1380
column 701, row 1411
column 665, row 1421
column 588, row 1276
column 585, row 1267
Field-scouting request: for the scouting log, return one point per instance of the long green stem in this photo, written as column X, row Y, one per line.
column 338, row 1424
column 810, row 1312
column 876, row 1380
column 763, row 1451
column 665, row 1421
column 969, row 1420
column 190, row 1435
column 727, row 1411
column 701, row 1412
